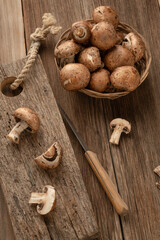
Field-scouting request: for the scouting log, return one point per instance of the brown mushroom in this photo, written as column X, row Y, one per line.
column 81, row 31
column 120, row 36
column 67, row 49
column 91, row 58
column 119, row 125
column 135, row 44
column 157, row 170
column 45, row 201
column 125, row 78
column 74, row 76
column 103, row 36
column 107, row 14
column 99, row 80
column 118, row 56
column 26, row 119
column 51, row 158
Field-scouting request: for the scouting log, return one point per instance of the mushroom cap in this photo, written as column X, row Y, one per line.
column 107, row 14
column 51, row 158
column 122, row 123
column 91, row 58
column 118, row 56
column 67, row 49
column 74, row 76
column 103, row 36
column 99, row 80
column 125, row 78
column 120, row 36
column 85, row 22
column 135, row 44
column 29, row 116
column 50, row 200
column 81, row 31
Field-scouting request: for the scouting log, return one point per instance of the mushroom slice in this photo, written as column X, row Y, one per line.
column 67, row 49
column 51, row 158
column 135, row 44
column 119, row 125
column 157, row 170
column 27, row 119
column 46, row 200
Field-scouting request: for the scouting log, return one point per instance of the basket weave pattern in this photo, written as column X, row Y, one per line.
column 142, row 66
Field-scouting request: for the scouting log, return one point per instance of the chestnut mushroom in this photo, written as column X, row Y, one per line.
column 99, row 80
column 125, row 78
column 157, row 170
column 118, row 56
column 107, row 14
column 68, row 50
column 74, row 76
column 51, row 158
column 120, row 36
column 26, row 119
column 91, row 58
column 46, row 200
column 103, row 36
column 119, row 125
column 135, row 44
column 81, row 31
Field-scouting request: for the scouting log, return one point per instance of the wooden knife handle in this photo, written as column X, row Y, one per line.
column 118, row 203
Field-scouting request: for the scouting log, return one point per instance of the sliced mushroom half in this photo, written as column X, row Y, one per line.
column 45, row 201
column 51, row 158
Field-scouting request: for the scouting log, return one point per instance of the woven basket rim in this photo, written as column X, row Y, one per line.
column 127, row 28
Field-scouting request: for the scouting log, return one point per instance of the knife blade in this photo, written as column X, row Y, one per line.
column 106, row 182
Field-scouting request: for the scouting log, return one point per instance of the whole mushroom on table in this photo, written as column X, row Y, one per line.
column 101, row 48
column 26, row 119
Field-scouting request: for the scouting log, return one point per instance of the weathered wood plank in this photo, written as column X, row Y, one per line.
column 77, row 106
column 130, row 165
column 12, row 31
column 12, row 48
column 73, row 215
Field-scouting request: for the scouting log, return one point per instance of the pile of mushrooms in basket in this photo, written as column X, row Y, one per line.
column 102, row 57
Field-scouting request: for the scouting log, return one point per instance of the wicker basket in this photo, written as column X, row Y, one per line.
column 142, row 66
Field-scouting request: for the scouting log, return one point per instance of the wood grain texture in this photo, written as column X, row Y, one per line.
column 131, row 164
column 12, row 48
column 12, row 31
column 73, row 216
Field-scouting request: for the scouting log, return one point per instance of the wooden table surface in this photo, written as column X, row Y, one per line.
column 131, row 164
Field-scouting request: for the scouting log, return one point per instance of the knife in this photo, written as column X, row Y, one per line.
column 110, row 189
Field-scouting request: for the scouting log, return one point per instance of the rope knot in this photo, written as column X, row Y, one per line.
column 49, row 26
column 38, row 35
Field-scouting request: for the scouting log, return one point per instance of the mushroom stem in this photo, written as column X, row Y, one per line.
column 16, row 131
column 37, row 198
column 80, row 32
column 115, row 137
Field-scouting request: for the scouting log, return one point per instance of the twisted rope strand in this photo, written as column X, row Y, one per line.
column 49, row 26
